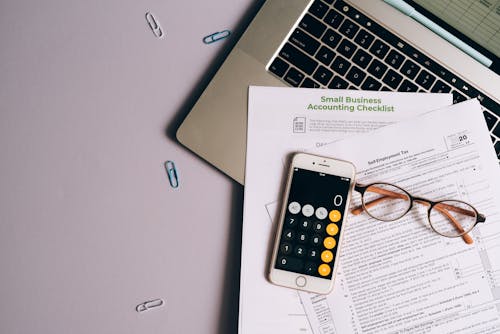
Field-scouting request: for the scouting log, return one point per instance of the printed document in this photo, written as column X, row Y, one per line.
column 282, row 121
column 400, row 276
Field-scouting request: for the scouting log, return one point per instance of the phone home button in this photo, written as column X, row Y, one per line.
column 300, row 281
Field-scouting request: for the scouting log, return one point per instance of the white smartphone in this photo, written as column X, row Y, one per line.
column 315, row 204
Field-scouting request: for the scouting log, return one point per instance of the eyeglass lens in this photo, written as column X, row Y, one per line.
column 386, row 202
column 452, row 218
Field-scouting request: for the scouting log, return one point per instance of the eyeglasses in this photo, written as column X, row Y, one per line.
column 449, row 218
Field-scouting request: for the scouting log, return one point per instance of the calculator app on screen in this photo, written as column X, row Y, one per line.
column 313, row 219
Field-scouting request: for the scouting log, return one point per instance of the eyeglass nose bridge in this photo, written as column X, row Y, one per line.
column 423, row 201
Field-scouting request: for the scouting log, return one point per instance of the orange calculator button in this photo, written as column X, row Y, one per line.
column 334, row 215
column 332, row 229
column 326, row 256
column 329, row 243
column 324, row 269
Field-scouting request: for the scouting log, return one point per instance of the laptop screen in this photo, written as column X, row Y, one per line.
column 475, row 22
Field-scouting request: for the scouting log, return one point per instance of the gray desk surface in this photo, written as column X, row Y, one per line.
column 89, row 226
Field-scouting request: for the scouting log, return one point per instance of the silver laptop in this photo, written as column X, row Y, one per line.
column 420, row 45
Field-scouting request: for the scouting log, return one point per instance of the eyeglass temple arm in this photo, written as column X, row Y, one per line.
column 391, row 194
column 467, row 238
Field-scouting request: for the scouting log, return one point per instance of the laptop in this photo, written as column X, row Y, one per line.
column 413, row 46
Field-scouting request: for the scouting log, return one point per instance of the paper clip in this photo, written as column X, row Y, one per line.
column 172, row 174
column 154, row 25
column 149, row 305
column 216, row 36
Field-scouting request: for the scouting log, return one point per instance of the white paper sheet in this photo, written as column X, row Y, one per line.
column 401, row 277
column 284, row 120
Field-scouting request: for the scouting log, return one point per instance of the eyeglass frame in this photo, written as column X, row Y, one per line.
column 480, row 218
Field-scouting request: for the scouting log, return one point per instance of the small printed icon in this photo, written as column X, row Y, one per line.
column 299, row 125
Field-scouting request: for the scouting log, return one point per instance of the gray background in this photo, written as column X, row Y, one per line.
column 89, row 226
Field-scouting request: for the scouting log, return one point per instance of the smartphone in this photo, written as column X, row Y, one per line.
column 313, row 212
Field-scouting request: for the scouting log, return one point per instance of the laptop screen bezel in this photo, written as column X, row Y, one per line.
column 495, row 66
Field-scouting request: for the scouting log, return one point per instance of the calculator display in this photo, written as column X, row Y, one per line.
column 313, row 219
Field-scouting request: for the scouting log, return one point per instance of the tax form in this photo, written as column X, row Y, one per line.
column 285, row 120
column 401, row 277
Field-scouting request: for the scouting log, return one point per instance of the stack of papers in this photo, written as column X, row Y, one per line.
column 396, row 277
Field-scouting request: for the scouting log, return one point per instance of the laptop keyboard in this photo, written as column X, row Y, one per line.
column 336, row 46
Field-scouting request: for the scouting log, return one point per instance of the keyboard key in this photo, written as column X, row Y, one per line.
column 349, row 28
column 318, row 226
column 286, row 248
column 311, row 268
column 371, row 84
column 489, row 104
column 496, row 130
column 410, row 69
column 304, row 41
column 331, row 38
column 333, row 19
column 289, row 263
column 324, row 269
column 408, row 86
column 440, row 87
column 464, row 88
column 338, row 83
column 395, row 59
column 497, row 149
column 325, row 55
column 346, row 48
column 356, row 75
column 302, row 237
column 386, row 89
column 377, row 68
column 278, row 67
column 294, row 77
column 362, row 58
column 323, row 75
column 288, row 234
column 379, row 49
column 425, row 79
column 312, row 26
column 392, row 79
column 298, row 58
column 340, row 65
column 490, row 119
column 318, row 9
column 291, row 221
column 308, row 83
column 457, row 97
column 300, row 251
column 313, row 254
column 364, row 38
column 305, row 224
column 316, row 240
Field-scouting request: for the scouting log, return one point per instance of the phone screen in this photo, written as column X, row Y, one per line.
column 313, row 219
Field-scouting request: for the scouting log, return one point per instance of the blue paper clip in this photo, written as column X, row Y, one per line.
column 172, row 174
column 216, row 36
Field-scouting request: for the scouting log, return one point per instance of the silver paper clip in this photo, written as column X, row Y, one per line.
column 154, row 25
column 216, row 36
column 173, row 178
column 149, row 305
